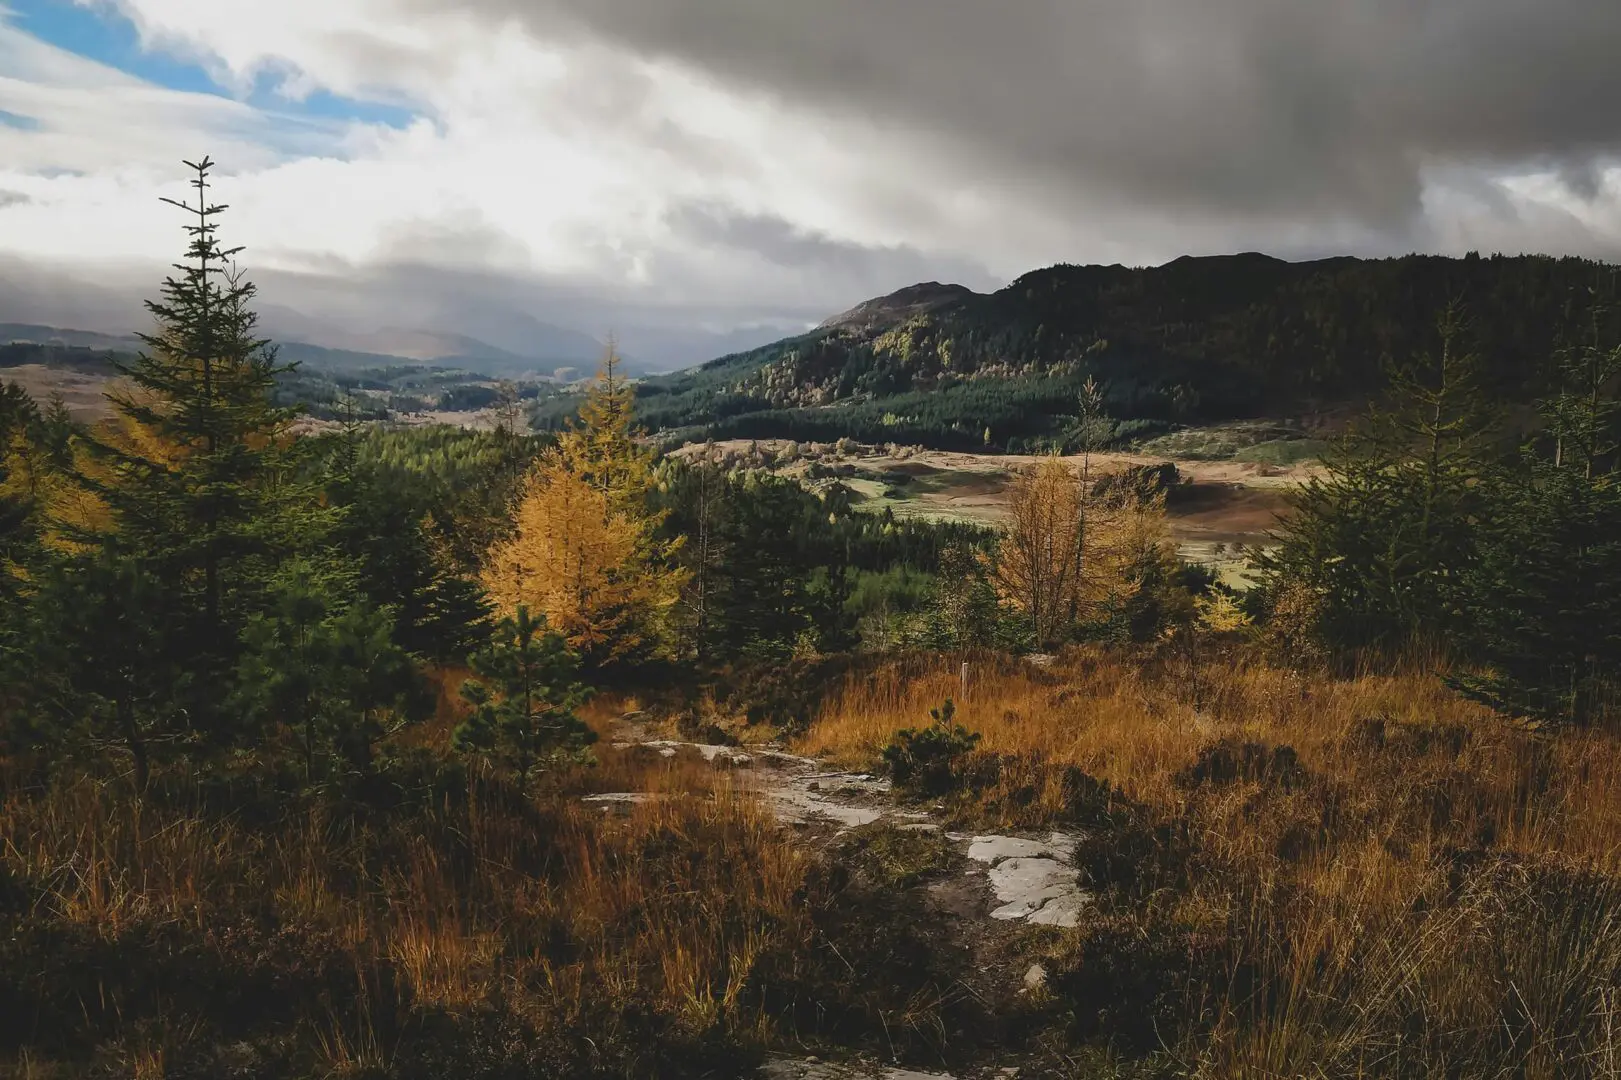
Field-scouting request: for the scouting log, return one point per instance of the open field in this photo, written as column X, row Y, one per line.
column 1295, row 875
column 1221, row 507
column 83, row 393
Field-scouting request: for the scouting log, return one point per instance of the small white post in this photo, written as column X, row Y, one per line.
column 964, row 680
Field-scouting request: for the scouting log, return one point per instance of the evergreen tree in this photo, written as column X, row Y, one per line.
column 195, row 475
column 1382, row 537
column 101, row 672
column 523, row 700
column 18, row 535
column 329, row 671
column 965, row 611
column 1543, row 595
column 695, row 495
column 386, row 528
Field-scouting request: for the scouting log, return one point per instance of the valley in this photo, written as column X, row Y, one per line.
column 1217, row 510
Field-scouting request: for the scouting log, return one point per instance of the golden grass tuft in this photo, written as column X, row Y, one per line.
column 1426, row 889
column 349, row 935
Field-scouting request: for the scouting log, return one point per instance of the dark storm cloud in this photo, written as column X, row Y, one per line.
column 1282, row 108
column 850, row 268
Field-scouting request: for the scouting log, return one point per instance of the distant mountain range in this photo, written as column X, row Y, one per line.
column 383, row 349
column 1197, row 340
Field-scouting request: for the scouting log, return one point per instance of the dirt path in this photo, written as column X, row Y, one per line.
column 997, row 882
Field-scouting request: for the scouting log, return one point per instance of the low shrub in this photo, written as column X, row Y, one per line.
column 926, row 763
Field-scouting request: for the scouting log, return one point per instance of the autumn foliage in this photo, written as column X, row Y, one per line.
column 584, row 550
column 1070, row 553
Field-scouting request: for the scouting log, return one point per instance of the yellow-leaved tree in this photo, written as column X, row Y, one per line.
column 1067, row 554
column 585, row 549
column 1072, row 553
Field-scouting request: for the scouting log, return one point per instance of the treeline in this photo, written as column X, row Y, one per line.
column 72, row 357
column 1199, row 340
column 1427, row 532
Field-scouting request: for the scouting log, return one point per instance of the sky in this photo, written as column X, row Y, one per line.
column 699, row 174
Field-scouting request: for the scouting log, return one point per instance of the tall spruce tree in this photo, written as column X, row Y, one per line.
column 1544, row 594
column 194, row 473
column 1381, row 538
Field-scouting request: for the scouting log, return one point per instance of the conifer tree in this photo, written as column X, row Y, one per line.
column 330, row 671
column 439, row 613
column 1068, row 554
column 194, row 473
column 524, row 698
column 1382, row 537
column 1543, row 594
column 18, row 416
column 100, row 669
column 965, row 611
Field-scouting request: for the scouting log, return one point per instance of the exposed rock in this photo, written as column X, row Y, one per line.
column 728, row 754
column 625, row 799
column 993, row 849
column 1035, row 979
column 1035, row 880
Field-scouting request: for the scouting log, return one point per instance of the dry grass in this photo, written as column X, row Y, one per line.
column 474, row 929
column 1411, row 886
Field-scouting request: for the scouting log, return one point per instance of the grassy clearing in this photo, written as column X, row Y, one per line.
column 231, row 927
column 1283, row 452
column 1297, row 875
column 1294, row 875
column 1222, row 442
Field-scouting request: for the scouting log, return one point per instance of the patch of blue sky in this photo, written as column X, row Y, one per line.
column 100, row 33
column 20, row 123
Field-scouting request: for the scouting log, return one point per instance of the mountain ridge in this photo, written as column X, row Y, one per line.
column 1198, row 339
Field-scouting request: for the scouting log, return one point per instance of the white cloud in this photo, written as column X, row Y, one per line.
column 565, row 162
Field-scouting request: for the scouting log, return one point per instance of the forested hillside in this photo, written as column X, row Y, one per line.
column 1194, row 341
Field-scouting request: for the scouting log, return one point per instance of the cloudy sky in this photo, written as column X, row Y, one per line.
column 672, row 169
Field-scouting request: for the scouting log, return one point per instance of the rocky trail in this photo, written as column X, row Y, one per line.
column 996, row 884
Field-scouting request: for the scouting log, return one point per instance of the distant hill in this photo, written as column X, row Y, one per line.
column 908, row 303
column 552, row 349
column 1198, row 340
column 423, row 349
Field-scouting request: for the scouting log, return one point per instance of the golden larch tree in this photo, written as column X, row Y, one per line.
column 585, row 549
column 1068, row 554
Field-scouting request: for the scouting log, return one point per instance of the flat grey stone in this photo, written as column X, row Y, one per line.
column 670, row 748
column 626, row 797
column 1062, row 910
column 993, row 849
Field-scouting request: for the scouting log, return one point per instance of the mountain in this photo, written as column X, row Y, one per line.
column 313, row 356
column 73, row 339
column 908, row 303
column 1197, row 340
column 557, row 349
